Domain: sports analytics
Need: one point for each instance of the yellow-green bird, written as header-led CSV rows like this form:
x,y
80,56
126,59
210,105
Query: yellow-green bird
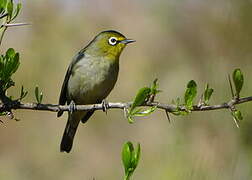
x,y
90,77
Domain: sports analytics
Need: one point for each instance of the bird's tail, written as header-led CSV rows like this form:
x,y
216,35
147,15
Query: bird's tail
x,y
69,133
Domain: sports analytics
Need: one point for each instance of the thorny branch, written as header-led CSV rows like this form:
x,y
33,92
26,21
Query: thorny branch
x,y
118,105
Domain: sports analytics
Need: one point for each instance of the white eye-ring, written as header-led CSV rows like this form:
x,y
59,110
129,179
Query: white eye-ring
x,y
112,41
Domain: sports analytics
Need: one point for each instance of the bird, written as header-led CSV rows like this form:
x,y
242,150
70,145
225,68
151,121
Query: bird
x,y
89,79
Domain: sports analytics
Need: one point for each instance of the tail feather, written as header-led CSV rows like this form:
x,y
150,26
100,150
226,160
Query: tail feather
x,y
71,128
67,140
69,133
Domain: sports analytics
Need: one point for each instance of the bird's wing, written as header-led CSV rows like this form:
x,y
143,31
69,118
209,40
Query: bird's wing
x,y
63,93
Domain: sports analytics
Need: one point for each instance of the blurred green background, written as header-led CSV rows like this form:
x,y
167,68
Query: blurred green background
x,y
176,41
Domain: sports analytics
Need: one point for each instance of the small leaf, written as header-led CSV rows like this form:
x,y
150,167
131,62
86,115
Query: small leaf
x,y
37,93
3,6
238,81
190,94
130,158
15,63
23,93
154,87
136,156
207,94
237,115
145,112
130,119
39,96
141,97
10,53
10,9
127,154
17,10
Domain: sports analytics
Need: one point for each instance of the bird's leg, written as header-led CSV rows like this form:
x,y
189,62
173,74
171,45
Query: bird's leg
x,y
105,105
72,107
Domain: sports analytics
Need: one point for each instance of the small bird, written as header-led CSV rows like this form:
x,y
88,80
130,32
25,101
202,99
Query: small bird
x,y
90,77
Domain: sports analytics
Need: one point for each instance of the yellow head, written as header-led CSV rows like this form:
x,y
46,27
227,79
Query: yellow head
x,y
108,44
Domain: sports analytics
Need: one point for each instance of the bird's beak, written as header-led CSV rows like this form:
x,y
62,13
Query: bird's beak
x,y
127,41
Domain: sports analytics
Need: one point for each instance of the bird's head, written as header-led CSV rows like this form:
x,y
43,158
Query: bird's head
x,y
108,44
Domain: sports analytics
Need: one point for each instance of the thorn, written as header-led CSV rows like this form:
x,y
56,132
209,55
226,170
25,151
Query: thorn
x,y
72,107
168,116
105,106
125,112
10,115
16,24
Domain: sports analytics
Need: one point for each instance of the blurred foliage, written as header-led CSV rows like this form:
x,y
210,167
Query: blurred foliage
x,y
176,41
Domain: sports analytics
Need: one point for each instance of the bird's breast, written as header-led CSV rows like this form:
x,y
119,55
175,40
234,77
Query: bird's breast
x,y
92,80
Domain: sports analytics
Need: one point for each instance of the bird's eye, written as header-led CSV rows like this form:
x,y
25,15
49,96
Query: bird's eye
x,y
112,41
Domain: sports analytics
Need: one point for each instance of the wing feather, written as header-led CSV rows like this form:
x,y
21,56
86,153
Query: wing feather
x,y
63,93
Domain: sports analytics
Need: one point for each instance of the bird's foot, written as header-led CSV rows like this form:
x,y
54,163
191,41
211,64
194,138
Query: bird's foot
x,y
72,107
105,105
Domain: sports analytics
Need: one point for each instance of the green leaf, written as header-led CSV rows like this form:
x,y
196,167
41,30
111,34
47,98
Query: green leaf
x,y
130,118
207,94
154,87
190,94
39,96
141,97
146,112
37,93
10,8
23,93
17,10
9,65
136,156
238,81
130,158
15,63
3,6
10,53
237,115
127,154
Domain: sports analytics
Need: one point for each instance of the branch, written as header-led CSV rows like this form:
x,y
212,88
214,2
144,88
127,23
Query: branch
x,y
118,105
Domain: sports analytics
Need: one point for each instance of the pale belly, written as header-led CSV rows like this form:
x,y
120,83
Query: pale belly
x,y
91,83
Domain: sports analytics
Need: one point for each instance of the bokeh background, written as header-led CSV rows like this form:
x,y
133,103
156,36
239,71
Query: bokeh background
x,y
176,41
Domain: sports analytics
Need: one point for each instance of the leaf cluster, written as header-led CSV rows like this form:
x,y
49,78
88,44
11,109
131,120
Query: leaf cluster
x,y
9,9
144,95
130,158
189,98
9,64
238,81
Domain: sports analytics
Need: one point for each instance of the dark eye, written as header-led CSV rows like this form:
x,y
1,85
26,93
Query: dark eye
x,y
112,41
